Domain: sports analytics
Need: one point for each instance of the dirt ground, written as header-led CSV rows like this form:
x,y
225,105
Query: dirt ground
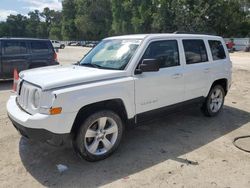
x,y
184,149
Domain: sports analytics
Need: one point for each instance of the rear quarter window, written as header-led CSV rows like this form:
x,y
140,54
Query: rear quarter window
x,y
217,49
195,51
40,47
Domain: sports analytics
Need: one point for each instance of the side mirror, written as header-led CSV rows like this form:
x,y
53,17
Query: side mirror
x,y
149,65
77,63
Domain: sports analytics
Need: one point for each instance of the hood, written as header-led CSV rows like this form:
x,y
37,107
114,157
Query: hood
x,y
61,76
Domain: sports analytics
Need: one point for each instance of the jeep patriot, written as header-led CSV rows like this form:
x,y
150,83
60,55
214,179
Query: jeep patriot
x,y
122,80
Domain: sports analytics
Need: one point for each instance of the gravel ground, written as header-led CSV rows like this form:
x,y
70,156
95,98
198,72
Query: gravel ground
x,y
184,149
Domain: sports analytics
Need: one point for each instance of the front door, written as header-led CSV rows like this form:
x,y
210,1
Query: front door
x,y
154,90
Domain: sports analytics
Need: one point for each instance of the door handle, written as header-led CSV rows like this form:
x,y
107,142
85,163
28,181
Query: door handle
x,y
177,75
206,70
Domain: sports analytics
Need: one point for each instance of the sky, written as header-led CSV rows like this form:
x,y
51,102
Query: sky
x,y
8,7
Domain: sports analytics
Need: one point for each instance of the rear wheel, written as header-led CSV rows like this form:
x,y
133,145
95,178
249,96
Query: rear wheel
x,y
214,101
99,135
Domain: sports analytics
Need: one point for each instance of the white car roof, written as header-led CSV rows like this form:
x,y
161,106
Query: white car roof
x,y
162,35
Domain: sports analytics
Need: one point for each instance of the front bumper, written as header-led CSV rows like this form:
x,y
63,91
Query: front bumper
x,y
40,127
42,135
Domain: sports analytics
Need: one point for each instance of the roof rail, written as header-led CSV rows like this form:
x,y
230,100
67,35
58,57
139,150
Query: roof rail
x,y
198,33
18,38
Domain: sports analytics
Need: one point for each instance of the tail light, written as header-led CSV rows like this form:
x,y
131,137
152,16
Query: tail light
x,y
55,57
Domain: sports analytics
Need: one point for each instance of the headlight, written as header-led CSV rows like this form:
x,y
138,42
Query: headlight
x,y
36,98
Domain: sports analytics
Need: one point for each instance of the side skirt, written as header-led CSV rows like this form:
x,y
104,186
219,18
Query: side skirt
x,y
160,112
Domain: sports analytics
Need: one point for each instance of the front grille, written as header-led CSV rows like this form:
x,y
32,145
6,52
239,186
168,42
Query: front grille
x,y
19,86
25,97
21,107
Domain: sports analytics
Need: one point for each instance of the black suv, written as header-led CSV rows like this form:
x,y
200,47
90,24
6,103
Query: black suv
x,y
23,53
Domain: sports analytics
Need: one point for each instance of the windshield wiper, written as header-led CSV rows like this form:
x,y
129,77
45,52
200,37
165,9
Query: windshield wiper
x,y
91,65
97,66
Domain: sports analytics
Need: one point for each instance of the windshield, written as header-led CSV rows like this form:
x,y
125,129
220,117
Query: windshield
x,y
111,54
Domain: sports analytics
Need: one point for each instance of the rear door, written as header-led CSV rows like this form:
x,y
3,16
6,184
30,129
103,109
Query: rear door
x,y
220,66
14,55
42,53
197,69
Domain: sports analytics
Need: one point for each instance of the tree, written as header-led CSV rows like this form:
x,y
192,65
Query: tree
x,y
215,16
164,16
32,27
142,15
69,30
56,25
96,19
15,25
4,27
122,15
93,19
53,23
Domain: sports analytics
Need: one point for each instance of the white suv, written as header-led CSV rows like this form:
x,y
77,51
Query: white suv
x,y
122,80
57,45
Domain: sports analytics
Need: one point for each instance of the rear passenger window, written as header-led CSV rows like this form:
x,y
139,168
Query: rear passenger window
x,y
195,51
14,47
23,48
217,49
165,51
39,47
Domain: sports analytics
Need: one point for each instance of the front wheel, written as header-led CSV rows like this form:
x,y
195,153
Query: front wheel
x,y
214,101
99,135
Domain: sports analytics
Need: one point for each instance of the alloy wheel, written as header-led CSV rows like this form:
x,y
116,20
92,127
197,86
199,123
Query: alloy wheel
x,y
216,100
101,136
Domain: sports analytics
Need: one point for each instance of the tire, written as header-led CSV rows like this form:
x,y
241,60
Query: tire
x,y
92,142
214,101
62,46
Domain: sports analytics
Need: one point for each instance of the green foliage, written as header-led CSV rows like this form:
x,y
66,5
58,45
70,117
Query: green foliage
x,y
68,20
96,19
46,24
93,19
227,18
16,25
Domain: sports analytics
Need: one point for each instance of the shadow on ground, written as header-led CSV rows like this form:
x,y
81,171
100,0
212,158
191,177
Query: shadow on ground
x,y
6,85
141,148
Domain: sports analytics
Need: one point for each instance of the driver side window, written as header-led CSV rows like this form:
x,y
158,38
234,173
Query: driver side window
x,y
166,52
